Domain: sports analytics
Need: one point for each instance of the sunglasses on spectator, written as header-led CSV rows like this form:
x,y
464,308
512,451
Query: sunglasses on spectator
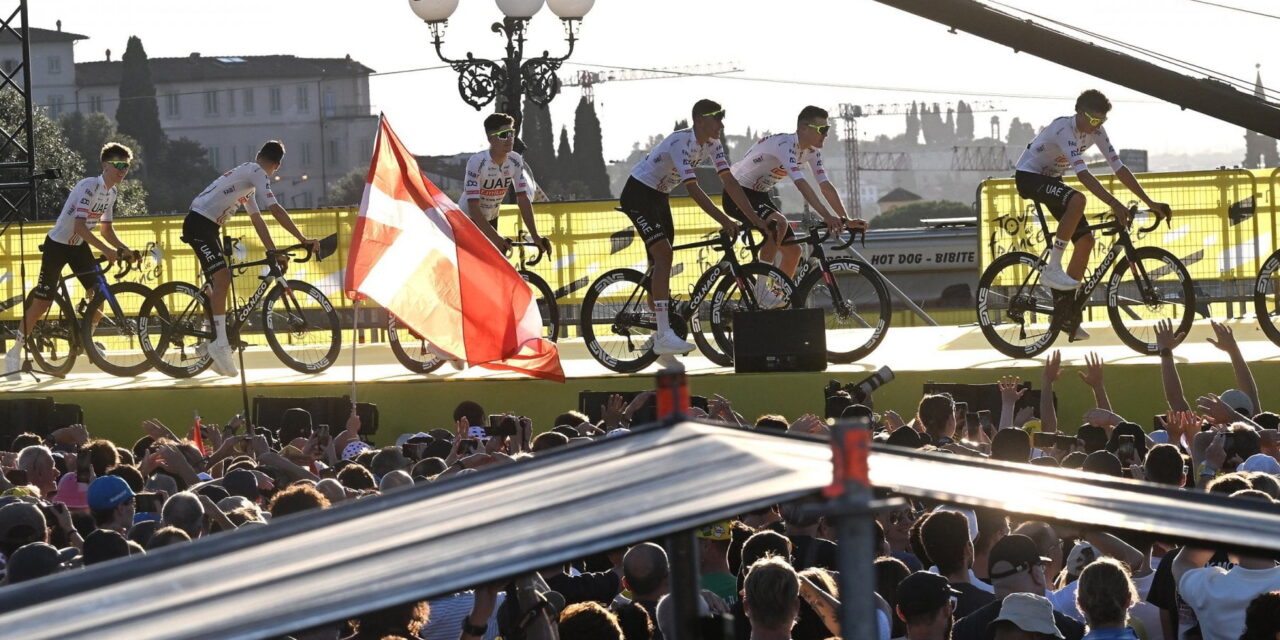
x,y
503,134
821,128
718,115
119,164
1093,122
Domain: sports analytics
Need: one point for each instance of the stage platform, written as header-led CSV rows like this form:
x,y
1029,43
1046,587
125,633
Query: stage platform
x,y
409,402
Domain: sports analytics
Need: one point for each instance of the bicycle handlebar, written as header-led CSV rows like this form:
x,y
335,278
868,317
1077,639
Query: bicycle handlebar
x,y
525,242
288,251
133,257
1158,215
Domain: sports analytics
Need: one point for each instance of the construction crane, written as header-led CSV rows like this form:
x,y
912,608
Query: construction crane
x,y
588,79
857,162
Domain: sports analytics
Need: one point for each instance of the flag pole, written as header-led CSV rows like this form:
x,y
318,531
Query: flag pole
x,y
355,332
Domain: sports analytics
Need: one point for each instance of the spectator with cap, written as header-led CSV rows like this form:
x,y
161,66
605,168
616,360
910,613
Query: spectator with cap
x,y
102,545
1015,566
1025,616
184,511
111,503
21,523
946,539
713,560
242,482
31,561
807,549
926,603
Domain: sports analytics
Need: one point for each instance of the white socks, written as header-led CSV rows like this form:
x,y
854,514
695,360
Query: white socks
x,y
1055,254
664,319
220,328
18,339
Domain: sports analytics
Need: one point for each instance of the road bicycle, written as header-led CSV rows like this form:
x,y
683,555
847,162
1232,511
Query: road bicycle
x,y
98,325
618,322
415,352
851,293
1266,297
297,320
1021,317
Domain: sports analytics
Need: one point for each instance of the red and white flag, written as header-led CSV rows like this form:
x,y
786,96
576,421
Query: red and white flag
x,y
419,256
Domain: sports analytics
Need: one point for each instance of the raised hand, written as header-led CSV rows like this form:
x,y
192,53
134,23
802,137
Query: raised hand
x,y
1092,374
1009,391
1224,338
1165,337
1053,367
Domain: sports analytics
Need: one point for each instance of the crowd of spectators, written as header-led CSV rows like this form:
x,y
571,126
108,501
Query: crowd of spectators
x,y
69,500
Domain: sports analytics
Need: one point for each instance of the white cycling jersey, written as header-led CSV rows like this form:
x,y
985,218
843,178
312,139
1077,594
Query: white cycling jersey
x,y
673,160
90,201
487,182
247,184
1060,146
773,158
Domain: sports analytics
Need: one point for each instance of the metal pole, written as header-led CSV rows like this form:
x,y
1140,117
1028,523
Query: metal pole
x,y
851,444
682,551
355,326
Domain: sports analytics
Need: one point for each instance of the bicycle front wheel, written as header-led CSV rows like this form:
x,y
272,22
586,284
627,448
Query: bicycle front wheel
x,y
178,328
1015,310
53,341
410,349
112,341
1266,297
301,327
1155,286
855,305
758,286
617,324
547,306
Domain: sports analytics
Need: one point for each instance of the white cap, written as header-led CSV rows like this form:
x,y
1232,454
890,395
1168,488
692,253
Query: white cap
x,y
1236,399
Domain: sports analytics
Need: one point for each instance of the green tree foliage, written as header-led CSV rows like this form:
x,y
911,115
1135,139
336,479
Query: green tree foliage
x,y
588,151
909,215
51,152
348,190
1020,134
86,134
138,114
964,121
186,173
538,135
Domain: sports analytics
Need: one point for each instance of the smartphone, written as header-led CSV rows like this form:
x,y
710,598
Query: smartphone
x,y
148,502
475,432
971,425
501,424
1126,451
1044,441
84,466
1157,423
467,446
984,419
962,411
1065,442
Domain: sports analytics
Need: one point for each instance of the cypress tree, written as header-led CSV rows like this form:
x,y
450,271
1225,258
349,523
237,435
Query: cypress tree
x,y
588,152
539,140
138,115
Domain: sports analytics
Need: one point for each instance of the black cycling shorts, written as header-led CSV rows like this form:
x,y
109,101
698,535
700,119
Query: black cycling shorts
x,y
1051,192
205,238
649,210
55,256
763,204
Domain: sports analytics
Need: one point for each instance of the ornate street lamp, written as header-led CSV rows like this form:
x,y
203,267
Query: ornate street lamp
x,y
481,81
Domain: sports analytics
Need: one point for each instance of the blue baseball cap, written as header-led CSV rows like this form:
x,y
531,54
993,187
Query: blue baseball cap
x,y
108,492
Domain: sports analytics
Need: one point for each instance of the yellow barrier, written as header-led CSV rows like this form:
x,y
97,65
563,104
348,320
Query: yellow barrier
x,y
1224,225
589,238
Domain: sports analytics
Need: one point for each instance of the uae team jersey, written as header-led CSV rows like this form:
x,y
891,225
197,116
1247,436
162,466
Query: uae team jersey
x,y
1060,147
773,158
672,162
246,185
90,201
487,182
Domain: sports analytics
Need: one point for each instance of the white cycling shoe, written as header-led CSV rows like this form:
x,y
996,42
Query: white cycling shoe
x,y
1079,335
667,343
224,362
1055,278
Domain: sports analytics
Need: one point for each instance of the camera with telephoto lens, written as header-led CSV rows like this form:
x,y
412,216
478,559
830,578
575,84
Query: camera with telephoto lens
x,y
861,391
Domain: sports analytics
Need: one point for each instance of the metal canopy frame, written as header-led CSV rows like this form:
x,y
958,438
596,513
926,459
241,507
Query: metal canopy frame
x,y
437,539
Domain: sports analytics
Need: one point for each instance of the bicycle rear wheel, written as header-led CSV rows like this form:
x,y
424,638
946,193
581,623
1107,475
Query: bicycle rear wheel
x,y
179,327
113,342
546,304
54,340
1266,297
769,289
617,325
410,349
1015,311
855,305
301,327
1154,287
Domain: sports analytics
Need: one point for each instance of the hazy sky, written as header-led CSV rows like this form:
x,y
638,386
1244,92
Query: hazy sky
x,y
858,44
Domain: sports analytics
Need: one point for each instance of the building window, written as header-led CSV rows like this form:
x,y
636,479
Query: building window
x,y
330,105
276,100
215,158
333,153
304,100
366,149
55,65
95,104
211,103
171,105
55,106
231,101
9,66
248,100
306,154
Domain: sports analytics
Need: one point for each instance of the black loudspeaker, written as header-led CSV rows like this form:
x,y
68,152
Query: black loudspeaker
x,y
779,340
36,415
330,410
592,404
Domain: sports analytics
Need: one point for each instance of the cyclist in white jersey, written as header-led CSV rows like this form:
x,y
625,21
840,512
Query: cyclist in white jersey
x,y
91,202
490,174
250,185
780,156
645,199
1060,147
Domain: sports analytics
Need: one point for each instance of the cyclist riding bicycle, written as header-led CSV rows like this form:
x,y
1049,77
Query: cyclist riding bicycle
x,y
646,201
490,174
1059,147
779,156
91,202
250,185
